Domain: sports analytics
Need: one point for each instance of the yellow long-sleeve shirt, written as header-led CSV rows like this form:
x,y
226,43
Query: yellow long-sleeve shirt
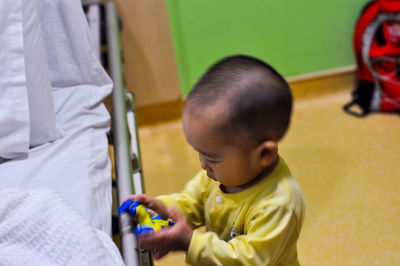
x,y
257,226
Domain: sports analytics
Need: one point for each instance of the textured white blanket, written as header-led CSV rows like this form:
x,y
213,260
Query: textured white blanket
x,y
38,227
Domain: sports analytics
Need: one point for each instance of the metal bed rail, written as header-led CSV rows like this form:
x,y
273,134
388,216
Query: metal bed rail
x,y
124,135
126,145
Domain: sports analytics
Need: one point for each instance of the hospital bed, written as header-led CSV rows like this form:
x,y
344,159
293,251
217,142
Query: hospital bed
x,y
72,161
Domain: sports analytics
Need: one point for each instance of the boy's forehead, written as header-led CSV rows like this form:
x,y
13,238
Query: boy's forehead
x,y
210,120
203,117
204,122
218,111
210,125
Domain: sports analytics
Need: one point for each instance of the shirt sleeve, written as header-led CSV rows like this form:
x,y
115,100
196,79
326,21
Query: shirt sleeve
x,y
191,200
269,239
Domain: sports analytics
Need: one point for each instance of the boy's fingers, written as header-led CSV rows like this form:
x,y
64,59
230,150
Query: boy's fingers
x,y
146,200
157,206
158,254
139,197
152,241
174,214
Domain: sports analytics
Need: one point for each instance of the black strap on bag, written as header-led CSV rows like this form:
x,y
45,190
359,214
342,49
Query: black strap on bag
x,y
361,97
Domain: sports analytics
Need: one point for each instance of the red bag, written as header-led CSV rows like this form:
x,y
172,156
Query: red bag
x,y
377,50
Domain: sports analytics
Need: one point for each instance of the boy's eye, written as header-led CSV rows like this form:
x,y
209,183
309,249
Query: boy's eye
x,y
212,161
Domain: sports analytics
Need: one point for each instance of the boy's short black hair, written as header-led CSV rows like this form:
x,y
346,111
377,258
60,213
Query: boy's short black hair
x,y
259,98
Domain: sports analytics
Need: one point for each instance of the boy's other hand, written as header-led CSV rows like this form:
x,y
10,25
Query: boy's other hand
x,y
174,238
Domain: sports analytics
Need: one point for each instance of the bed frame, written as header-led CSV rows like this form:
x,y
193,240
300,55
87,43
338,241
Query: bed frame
x,y
105,26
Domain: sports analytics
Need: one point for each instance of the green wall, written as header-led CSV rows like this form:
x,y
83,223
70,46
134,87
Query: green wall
x,y
294,36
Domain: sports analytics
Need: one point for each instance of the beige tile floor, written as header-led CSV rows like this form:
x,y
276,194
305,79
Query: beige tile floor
x,y
348,168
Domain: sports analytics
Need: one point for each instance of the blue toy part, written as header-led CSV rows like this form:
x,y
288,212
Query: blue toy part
x,y
125,206
129,206
157,217
143,230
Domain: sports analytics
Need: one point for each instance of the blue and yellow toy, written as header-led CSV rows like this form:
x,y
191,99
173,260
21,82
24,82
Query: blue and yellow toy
x,y
146,224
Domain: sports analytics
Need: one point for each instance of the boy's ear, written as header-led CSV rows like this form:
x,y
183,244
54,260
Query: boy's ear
x,y
268,151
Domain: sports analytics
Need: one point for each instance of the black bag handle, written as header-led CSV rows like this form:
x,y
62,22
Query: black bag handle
x,y
361,96
360,113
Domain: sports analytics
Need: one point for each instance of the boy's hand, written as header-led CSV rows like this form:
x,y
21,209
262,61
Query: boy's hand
x,y
153,204
173,238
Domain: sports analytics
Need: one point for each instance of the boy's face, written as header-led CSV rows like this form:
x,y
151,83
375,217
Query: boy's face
x,y
233,164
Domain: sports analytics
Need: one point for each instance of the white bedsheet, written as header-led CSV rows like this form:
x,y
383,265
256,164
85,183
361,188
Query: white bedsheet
x,y
76,166
38,227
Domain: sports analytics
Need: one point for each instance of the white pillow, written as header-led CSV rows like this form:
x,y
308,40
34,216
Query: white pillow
x,y
14,110
43,127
